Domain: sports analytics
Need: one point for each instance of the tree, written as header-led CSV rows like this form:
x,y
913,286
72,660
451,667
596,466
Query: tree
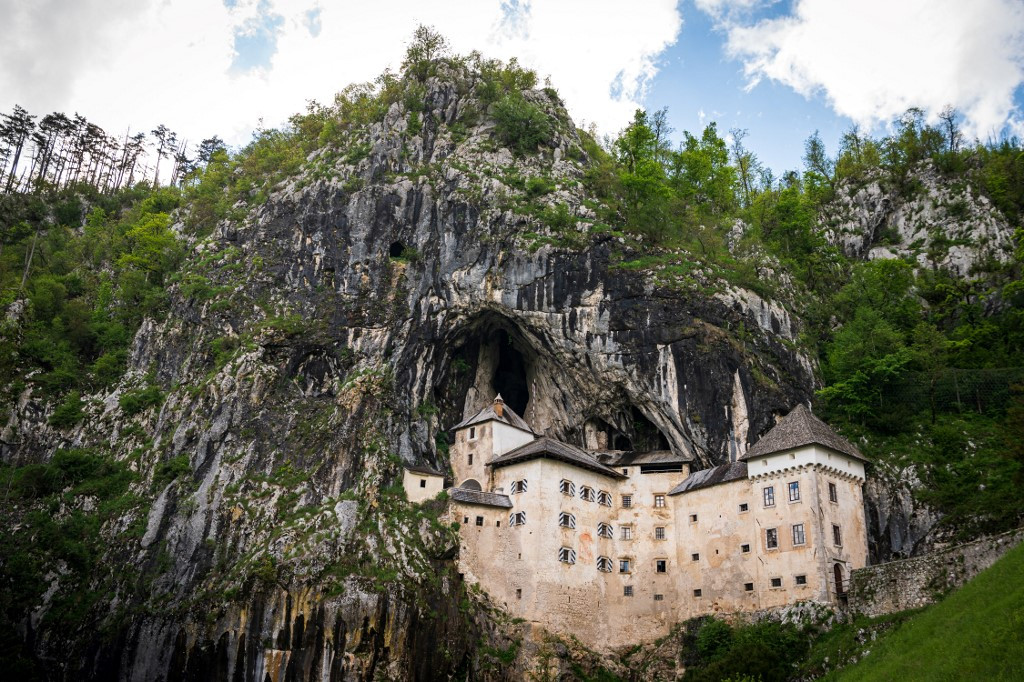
x,y
427,45
165,141
950,121
701,175
14,132
819,175
748,168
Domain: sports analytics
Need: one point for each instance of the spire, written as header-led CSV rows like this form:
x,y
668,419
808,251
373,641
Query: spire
x,y
499,405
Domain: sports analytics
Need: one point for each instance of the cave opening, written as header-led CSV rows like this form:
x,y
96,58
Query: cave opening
x,y
396,249
510,375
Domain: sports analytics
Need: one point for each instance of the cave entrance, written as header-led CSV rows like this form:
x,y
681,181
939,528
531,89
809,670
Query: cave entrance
x,y
396,250
510,375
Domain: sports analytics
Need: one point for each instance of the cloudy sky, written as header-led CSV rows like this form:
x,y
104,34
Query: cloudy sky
x,y
779,69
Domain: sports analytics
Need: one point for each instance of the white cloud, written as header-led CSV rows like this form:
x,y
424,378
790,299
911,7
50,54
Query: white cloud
x,y
873,59
144,62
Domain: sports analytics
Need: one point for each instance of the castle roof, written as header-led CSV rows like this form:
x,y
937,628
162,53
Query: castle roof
x,y
479,497
423,469
550,448
797,429
623,458
496,411
709,477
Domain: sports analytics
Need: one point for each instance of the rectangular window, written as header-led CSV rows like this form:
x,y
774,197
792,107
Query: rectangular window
x,y
519,486
837,537
659,533
659,501
469,458
776,582
769,496
661,566
695,556
745,549
659,597
497,524
627,590
833,493
604,530
567,555
697,592
801,580
794,491
567,487
587,493
472,432
623,565
627,501
465,520
519,593
693,518
748,587
517,519
604,498
479,520
771,538
744,507
798,534
604,564
423,483
566,520
627,533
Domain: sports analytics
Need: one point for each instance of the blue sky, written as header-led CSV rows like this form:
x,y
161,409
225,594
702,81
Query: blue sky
x,y
780,69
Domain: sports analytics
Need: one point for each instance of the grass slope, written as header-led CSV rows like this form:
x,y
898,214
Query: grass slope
x,y
977,633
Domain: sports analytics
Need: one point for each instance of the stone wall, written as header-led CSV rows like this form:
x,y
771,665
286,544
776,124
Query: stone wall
x,y
919,581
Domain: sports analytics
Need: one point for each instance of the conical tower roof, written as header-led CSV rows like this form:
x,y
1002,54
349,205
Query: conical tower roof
x,y
797,429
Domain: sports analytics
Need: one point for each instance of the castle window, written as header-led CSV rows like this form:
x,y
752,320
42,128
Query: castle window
x,y
519,593
833,493
423,483
659,597
661,566
627,590
472,433
769,496
837,536
470,458
604,530
566,520
771,538
604,564
695,556
479,520
627,532
748,587
623,565
697,592
627,501
497,524
798,534
587,493
659,533
801,580
794,491
604,498
567,487
465,520
567,555
519,486
745,549
659,501
517,519
776,582
693,518
744,507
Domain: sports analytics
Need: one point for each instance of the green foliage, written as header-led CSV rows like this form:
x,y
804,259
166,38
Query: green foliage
x,y
135,401
69,412
766,651
521,125
172,469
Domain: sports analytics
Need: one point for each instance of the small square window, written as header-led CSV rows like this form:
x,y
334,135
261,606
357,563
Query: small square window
x,y
697,592
627,532
627,501
748,587
623,565
465,520
776,582
661,565
627,590
693,518
744,507
479,520
745,549
833,493
801,580
659,533
659,597
423,483
625,472
695,556
659,501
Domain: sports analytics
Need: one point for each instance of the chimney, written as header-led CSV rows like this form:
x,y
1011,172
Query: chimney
x,y
499,406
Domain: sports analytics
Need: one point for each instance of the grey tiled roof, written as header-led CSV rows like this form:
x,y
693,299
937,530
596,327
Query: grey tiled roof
x,y
553,449
508,416
423,469
479,497
617,458
799,428
709,477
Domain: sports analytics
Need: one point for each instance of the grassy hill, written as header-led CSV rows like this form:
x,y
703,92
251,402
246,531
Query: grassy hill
x,y
977,633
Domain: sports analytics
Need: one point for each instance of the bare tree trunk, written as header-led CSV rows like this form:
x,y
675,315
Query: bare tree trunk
x,y
28,261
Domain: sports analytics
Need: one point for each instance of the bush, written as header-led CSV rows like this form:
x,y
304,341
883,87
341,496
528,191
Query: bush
x,y
133,402
69,412
521,126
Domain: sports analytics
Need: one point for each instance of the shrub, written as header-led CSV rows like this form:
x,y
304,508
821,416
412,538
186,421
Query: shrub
x,y
69,412
521,126
133,402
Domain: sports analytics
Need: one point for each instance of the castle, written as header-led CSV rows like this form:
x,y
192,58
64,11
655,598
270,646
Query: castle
x,y
615,547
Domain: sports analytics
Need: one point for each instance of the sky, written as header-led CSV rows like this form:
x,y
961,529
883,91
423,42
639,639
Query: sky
x,y
777,69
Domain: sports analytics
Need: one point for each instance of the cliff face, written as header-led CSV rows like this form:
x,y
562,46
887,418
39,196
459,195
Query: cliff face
x,y
340,327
